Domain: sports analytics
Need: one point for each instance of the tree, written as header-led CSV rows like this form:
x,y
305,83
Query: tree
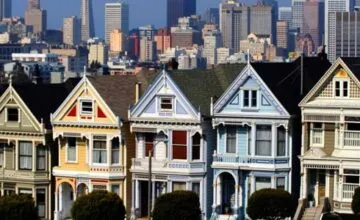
x,y
270,204
98,205
355,204
173,64
17,207
18,75
178,205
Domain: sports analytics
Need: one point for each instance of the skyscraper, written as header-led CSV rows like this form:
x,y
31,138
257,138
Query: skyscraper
x,y
313,21
234,23
332,6
71,30
36,17
261,20
282,34
211,16
5,9
274,16
179,8
116,17
297,14
285,14
87,20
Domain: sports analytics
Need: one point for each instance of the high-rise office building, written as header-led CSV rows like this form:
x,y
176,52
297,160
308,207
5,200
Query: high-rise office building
x,y
71,30
5,9
147,50
313,21
234,23
98,52
116,17
347,34
212,41
331,7
87,20
179,8
117,41
36,17
282,29
297,7
285,14
211,16
274,16
261,20
163,40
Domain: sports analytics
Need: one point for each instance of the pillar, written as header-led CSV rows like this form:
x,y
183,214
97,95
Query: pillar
x,y
108,152
327,183
305,183
56,211
336,185
153,194
33,156
214,195
274,140
134,198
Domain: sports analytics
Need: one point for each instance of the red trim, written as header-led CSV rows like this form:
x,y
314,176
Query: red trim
x,y
72,112
100,113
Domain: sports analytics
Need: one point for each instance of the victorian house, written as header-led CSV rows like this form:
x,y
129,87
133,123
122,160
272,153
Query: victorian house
x,y
94,142
258,131
26,146
330,151
172,125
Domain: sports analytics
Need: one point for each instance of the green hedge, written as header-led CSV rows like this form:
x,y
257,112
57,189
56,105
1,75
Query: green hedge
x,y
17,207
355,204
178,205
98,205
271,204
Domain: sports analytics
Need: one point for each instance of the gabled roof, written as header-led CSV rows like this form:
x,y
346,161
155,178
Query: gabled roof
x,y
354,65
284,79
200,85
43,99
119,91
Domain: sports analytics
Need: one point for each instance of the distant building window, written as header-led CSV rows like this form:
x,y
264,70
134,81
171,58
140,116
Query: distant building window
x,y
71,149
341,88
12,114
250,98
86,107
196,188
166,104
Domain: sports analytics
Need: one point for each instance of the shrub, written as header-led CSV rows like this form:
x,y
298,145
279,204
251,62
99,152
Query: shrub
x,y
355,203
178,205
98,205
17,207
270,204
330,216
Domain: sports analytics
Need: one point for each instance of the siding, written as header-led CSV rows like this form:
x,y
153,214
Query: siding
x,y
81,164
10,155
306,136
329,138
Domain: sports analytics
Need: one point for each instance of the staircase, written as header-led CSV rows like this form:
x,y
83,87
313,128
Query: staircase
x,y
313,213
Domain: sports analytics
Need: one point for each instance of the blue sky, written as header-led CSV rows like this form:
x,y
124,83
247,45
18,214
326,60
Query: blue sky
x,y
142,12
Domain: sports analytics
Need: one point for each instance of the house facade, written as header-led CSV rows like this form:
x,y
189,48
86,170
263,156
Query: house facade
x,y
94,142
331,138
26,144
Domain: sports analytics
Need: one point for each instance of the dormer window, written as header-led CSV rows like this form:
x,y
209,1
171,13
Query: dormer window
x,y
249,98
166,104
86,107
341,88
13,114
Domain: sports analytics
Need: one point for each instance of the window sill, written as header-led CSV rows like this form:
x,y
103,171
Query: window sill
x,y
71,162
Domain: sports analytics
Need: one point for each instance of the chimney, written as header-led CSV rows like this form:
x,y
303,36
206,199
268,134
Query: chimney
x,y
137,91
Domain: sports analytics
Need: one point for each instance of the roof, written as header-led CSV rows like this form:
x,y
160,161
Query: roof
x,y
284,79
354,65
119,91
200,85
44,99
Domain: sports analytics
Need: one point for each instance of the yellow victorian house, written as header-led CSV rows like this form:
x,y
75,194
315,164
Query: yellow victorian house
x,y
94,141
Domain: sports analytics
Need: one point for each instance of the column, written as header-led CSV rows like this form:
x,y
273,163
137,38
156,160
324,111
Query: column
x,y
108,152
134,198
252,185
340,187
89,143
189,146
236,197
305,183
335,185
16,155
215,195
56,211
153,194
327,183
287,146
274,139
33,156
122,152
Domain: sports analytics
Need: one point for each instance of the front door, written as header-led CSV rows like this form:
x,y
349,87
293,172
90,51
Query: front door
x,y
321,186
144,198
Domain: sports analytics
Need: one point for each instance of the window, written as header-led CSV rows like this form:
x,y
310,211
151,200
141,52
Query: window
x,y
99,149
40,202
196,188
179,186
280,141
2,150
23,191
317,133
262,183
166,104
115,151
250,98
86,107
25,154
249,140
149,143
263,140
115,189
351,176
12,114
341,88
280,183
179,145
71,149
99,187
40,157
231,139
196,146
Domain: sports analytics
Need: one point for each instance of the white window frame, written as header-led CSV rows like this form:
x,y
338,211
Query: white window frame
x,y
106,149
7,112
172,104
312,144
285,181
250,98
226,140
341,82
45,203
81,112
76,151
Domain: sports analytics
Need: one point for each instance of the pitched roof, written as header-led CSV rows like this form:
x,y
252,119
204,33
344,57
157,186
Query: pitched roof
x,y
44,99
119,91
200,85
354,65
284,79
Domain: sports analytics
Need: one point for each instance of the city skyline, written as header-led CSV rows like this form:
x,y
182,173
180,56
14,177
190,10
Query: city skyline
x,y
158,18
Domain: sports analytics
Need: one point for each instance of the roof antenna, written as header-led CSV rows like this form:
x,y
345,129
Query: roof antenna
x,y
248,56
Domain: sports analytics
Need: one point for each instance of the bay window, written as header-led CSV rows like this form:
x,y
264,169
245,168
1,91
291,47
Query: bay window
x,y
25,155
317,134
179,145
99,149
231,139
263,140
